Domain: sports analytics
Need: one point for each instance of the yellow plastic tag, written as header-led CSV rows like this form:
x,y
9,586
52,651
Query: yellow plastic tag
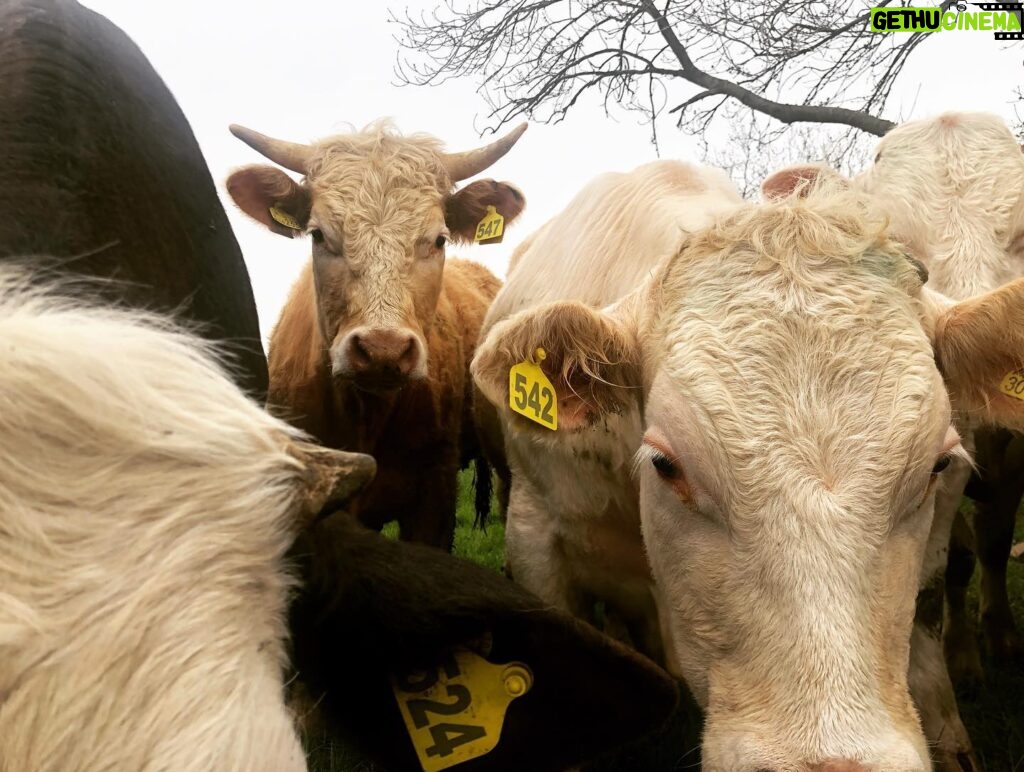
x,y
1013,384
531,394
455,712
285,219
491,228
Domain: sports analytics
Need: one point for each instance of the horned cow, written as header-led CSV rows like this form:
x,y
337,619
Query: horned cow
x,y
372,349
149,510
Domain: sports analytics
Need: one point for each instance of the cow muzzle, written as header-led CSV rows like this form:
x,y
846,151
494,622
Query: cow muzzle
x,y
379,359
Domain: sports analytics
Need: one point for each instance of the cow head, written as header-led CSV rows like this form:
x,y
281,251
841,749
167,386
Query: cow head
x,y
379,209
795,382
953,188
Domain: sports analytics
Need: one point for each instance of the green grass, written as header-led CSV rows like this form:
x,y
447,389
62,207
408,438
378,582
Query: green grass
x,y
994,714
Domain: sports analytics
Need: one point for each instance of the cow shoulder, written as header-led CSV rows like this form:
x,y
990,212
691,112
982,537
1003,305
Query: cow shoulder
x,y
300,383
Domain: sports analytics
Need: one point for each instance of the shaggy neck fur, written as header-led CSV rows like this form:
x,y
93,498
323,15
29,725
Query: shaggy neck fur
x,y
146,510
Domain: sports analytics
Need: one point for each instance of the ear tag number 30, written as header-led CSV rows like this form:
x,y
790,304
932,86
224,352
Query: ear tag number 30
x,y
455,712
531,394
491,228
1013,384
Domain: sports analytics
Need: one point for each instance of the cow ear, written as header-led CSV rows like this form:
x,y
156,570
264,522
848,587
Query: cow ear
x,y
464,209
271,197
979,347
591,358
796,179
330,478
371,608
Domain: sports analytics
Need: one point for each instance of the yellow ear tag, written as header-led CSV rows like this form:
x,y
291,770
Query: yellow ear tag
x,y
285,219
531,394
455,712
491,228
1013,384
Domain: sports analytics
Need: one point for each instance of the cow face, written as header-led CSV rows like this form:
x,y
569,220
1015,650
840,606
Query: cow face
x,y
379,209
786,364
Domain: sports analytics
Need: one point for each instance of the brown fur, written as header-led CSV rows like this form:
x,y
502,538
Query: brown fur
x,y
415,434
977,342
467,207
591,364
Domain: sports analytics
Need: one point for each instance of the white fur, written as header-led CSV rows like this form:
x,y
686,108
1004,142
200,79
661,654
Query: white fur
x,y
145,508
786,363
954,187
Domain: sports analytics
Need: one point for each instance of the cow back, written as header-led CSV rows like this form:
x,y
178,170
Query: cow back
x,y
102,174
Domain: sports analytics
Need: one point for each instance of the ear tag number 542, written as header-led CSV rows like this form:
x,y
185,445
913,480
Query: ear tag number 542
x,y
531,394
455,712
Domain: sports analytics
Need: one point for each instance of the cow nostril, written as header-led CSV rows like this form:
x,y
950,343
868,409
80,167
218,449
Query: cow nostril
x,y
966,762
409,357
358,356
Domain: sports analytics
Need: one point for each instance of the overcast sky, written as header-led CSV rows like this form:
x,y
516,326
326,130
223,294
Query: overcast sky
x,y
302,69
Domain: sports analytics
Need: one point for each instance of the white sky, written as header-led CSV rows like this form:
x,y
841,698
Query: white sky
x,y
304,69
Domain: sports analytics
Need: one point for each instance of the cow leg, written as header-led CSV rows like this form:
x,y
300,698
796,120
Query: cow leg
x,y
928,678
645,630
934,696
1001,457
959,642
534,557
431,519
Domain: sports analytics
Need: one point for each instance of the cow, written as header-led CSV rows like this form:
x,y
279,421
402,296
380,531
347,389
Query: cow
x,y
148,509
156,522
757,396
972,235
967,167
118,193
372,349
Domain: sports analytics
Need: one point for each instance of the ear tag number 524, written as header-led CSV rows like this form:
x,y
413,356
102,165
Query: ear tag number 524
x,y
531,394
455,712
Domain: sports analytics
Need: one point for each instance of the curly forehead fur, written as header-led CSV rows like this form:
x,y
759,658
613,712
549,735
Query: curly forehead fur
x,y
811,300
826,224
377,181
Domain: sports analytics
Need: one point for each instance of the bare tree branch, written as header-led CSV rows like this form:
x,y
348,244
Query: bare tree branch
x,y
771,66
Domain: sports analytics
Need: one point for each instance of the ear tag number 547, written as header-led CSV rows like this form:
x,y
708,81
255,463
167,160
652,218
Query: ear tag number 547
x,y
491,228
531,394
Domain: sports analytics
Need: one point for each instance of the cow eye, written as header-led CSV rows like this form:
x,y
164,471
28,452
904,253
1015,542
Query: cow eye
x,y
439,242
941,464
663,465
317,235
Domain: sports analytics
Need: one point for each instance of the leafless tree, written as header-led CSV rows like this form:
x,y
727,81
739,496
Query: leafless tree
x,y
764,66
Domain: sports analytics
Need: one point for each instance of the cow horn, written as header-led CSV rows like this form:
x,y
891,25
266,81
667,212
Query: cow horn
x,y
331,478
290,155
461,166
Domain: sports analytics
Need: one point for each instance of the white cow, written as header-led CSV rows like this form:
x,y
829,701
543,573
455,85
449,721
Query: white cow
x,y
953,186
774,374
145,509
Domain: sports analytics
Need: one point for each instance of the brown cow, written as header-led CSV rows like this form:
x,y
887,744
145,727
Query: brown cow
x,y
372,349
